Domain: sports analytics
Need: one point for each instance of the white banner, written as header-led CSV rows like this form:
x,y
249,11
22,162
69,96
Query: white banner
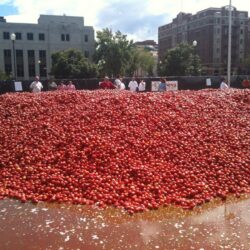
x,y
155,85
208,82
18,86
172,85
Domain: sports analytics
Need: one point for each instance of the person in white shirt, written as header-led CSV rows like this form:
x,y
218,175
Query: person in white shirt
x,y
117,82
223,84
36,86
122,86
142,86
133,85
52,85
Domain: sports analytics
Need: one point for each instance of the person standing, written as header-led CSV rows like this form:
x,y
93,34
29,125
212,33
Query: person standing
x,y
118,82
142,86
122,86
61,86
106,84
163,85
52,85
223,84
36,86
133,85
71,86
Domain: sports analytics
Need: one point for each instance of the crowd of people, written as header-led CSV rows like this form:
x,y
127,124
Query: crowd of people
x,y
36,86
119,84
64,86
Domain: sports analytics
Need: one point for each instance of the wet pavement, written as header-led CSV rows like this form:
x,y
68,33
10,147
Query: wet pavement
x,y
215,225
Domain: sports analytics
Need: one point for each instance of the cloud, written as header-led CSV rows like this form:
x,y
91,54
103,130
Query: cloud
x,y
29,10
139,19
132,18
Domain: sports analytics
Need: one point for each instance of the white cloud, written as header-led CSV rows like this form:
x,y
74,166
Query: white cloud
x,y
139,19
29,10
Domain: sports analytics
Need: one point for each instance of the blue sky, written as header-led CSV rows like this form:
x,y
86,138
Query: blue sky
x,y
8,9
138,19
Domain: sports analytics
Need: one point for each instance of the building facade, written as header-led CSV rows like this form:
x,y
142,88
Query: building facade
x,y
35,43
209,28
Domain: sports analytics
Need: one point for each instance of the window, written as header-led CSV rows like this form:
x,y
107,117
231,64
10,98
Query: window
x,y
7,61
41,36
29,36
19,63
42,64
6,35
19,53
241,31
8,69
42,54
18,36
31,53
31,63
86,38
7,53
86,54
65,37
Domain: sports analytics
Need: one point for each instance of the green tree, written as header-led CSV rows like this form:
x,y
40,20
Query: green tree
x,y
246,64
181,60
141,59
71,64
134,62
146,61
113,52
3,75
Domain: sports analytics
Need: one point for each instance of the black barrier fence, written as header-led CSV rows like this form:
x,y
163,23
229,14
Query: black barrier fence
x,y
184,83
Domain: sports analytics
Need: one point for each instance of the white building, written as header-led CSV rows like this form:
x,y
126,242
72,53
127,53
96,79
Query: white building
x,y
34,44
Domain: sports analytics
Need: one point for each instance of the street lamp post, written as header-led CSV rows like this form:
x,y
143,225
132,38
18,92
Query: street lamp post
x,y
229,43
13,39
39,65
195,54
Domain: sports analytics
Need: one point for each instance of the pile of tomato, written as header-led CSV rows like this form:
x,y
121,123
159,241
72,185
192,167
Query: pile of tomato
x,y
134,151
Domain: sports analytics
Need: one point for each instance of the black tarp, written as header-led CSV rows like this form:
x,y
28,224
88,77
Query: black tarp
x,y
184,83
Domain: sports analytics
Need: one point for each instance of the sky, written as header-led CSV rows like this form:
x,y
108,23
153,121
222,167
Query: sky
x,y
138,19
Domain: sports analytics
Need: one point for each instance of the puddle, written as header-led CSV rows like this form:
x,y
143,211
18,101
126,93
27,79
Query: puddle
x,y
215,225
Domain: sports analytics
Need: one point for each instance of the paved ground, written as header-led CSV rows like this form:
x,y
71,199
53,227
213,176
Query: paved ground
x,y
217,225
